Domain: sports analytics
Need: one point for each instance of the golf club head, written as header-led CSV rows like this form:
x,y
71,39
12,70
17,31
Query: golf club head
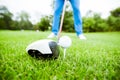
x,y
43,49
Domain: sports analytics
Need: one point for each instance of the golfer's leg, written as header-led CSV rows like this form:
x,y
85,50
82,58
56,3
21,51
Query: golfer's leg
x,y
56,19
77,16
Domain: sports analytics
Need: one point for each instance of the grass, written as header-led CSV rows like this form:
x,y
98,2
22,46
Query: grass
x,y
97,58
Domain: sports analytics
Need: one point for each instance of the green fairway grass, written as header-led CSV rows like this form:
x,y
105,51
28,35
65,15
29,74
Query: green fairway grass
x,y
97,58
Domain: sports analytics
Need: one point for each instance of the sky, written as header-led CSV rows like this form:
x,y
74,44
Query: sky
x,y
37,8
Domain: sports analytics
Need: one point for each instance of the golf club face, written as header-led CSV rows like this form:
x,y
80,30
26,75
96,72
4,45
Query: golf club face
x,y
55,49
43,49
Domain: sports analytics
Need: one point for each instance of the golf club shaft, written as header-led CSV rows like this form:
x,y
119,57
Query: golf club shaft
x,y
62,18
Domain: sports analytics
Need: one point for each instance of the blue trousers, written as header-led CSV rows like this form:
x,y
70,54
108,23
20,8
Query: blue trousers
x,y
76,13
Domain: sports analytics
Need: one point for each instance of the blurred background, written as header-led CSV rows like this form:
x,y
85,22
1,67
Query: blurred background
x,y
97,15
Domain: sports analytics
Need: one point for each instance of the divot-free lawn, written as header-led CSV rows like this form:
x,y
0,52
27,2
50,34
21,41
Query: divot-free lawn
x,y
97,58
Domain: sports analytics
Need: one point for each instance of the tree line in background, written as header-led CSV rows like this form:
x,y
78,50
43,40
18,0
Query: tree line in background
x,y
92,22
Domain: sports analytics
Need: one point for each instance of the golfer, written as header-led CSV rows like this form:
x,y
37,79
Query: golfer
x,y
77,18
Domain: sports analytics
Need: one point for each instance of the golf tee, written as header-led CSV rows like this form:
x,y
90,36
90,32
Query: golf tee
x,y
64,52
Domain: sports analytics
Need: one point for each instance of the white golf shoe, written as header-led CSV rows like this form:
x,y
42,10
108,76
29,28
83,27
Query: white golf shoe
x,y
52,35
82,37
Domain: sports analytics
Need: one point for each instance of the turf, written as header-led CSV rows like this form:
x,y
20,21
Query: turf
x,y
97,58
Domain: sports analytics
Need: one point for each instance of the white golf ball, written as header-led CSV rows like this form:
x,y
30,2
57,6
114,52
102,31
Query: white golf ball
x,y
65,41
